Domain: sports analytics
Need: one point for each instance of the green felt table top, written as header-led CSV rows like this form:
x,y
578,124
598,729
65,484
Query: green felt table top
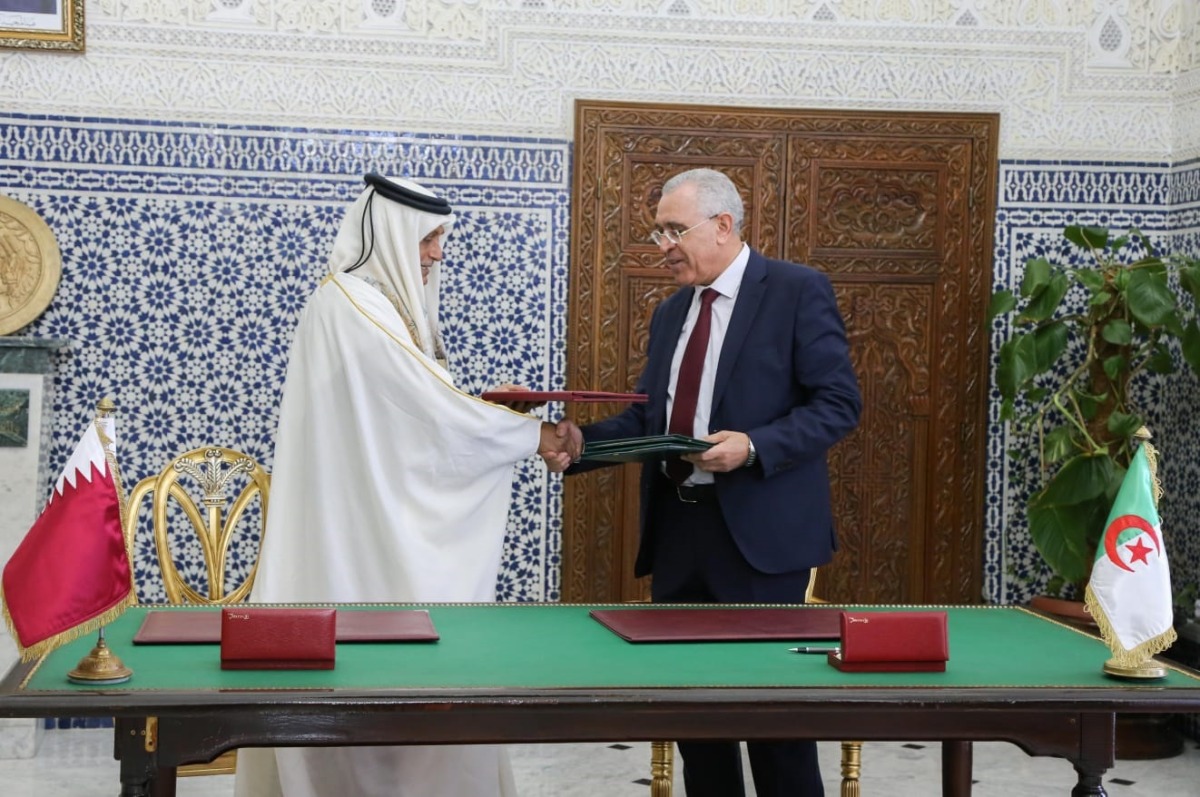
x,y
515,646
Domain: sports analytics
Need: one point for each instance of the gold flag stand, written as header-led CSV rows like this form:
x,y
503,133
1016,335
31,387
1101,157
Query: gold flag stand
x,y
100,666
1143,670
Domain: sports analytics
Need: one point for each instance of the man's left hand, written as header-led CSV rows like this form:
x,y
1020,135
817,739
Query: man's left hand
x,y
729,452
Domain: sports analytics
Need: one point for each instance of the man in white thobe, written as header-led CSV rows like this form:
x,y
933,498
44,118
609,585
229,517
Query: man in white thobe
x,y
389,484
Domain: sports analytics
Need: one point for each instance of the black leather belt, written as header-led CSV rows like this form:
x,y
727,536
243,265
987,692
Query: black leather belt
x,y
696,493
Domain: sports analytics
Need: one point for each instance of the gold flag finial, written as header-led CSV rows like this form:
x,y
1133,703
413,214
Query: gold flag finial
x,y
105,407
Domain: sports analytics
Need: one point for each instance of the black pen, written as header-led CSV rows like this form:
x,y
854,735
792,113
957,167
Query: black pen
x,y
811,650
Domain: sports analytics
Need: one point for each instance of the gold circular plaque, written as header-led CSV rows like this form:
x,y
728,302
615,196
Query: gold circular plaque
x,y
30,265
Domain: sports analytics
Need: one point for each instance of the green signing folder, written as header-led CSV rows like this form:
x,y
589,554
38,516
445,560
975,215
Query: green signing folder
x,y
640,449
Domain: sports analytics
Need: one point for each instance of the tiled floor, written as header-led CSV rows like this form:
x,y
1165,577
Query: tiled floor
x,y
78,763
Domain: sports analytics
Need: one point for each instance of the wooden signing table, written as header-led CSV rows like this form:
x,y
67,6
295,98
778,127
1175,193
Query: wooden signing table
x,y
550,673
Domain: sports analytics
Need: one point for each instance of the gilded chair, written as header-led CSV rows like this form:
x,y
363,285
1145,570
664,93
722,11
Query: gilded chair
x,y
196,487
662,754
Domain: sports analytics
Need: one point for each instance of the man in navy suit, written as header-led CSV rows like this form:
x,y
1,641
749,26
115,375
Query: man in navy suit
x,y
744,521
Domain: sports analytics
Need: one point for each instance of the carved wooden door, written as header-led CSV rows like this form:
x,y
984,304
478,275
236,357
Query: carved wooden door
x,y
898,209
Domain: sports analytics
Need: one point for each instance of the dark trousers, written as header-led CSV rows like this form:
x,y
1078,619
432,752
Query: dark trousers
x,y
697,561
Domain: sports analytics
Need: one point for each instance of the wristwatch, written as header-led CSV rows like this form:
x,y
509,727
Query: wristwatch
x,y
753,457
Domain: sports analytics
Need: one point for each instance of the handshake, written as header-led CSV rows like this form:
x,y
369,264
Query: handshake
x,y
561,445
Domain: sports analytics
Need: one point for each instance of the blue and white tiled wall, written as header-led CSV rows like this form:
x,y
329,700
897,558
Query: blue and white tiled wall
x,y
1036,200
189,251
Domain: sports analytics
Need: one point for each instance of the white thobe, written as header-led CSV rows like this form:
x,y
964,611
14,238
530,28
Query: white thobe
x,y
389,485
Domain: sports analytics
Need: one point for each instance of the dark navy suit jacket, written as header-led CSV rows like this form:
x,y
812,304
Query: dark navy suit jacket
x,y
785,378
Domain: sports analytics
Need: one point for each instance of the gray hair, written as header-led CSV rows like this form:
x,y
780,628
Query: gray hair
x,y
715,193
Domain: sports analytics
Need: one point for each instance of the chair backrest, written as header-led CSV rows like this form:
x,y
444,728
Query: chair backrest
x,y
208,473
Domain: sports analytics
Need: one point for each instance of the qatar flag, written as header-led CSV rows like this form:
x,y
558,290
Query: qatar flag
x,y
71,574
1129,594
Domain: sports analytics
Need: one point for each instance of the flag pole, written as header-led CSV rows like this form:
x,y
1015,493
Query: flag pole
x,y
101,665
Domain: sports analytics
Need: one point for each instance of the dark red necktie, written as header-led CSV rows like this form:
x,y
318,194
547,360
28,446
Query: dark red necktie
x,y
687,385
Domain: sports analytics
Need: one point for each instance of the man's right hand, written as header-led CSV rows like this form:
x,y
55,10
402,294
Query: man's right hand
x,y
560,445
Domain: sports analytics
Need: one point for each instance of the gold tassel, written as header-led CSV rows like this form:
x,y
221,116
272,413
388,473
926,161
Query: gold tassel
x,y
1121,656
71,634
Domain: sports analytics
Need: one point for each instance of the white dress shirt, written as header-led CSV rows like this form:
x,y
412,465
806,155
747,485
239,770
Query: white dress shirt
x,y
726,286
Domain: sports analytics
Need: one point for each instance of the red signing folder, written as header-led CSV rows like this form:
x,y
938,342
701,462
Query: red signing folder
x,y
582,396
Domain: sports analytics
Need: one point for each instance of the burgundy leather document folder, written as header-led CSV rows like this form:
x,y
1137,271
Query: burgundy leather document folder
x,y
170,627
584,396
720,624
278,639
892,642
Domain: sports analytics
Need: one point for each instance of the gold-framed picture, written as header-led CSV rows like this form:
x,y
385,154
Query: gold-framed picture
x,y
42,24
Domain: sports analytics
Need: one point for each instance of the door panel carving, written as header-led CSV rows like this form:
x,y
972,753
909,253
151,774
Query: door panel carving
x,y
897,209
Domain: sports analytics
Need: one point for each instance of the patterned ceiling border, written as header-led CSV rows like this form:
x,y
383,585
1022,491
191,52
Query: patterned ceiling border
x,y
491,66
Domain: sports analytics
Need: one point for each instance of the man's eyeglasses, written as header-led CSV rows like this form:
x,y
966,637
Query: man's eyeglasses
x,y
673,237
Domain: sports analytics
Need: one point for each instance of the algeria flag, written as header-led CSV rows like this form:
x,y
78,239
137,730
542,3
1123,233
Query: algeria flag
x,y
1129,594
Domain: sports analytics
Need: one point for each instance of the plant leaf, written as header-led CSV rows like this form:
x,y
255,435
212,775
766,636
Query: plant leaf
x,y
1045,301
1002,302
1189,278
1117,331
1037,274
1150,298
1018,364
1049,342
1088,402
1191,345
1066,518
1060,534
1079,479
1087,237
1113,366
1161,361
1090,278
1059,444
1124,425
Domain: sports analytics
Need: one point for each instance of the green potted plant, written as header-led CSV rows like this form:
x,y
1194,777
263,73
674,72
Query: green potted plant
x,y
1085,336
